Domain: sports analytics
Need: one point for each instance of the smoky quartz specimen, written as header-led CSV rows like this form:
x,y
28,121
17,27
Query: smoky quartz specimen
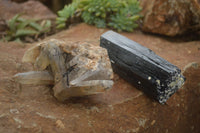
x,y
74,69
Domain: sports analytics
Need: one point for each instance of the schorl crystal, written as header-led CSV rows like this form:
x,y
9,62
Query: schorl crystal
x,y
142,67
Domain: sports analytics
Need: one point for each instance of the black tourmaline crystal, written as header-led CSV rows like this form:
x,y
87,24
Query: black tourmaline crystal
x,y
142,67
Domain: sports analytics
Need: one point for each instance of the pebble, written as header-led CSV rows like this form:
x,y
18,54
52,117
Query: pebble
x,y
60,124
95,109
153,122
14,111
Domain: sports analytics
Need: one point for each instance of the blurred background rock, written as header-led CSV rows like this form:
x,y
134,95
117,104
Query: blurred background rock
x,y
54,5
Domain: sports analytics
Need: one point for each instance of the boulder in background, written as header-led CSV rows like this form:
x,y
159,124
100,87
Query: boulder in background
x,y
170,17
30,10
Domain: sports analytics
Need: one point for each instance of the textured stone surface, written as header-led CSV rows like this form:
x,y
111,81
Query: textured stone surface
x,y
170,17
123,109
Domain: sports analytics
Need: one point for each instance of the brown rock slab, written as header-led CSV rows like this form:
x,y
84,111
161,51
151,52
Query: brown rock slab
x,y
168,17
122,109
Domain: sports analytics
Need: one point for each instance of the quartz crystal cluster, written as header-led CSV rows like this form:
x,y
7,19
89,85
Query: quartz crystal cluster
x,y
75,69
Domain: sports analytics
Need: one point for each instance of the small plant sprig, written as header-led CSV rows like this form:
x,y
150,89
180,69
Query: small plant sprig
x,y
66,13
18,28
120,15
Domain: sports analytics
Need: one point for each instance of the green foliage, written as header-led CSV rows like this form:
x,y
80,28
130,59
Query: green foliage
x,y
120,15
20,27
67,12
97,11
126,16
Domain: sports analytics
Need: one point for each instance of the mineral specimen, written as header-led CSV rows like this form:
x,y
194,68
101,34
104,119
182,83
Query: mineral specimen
x,y
141,66
74,69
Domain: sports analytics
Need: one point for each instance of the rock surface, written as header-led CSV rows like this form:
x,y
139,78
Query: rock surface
x,y
170,17
54,5
29,9
124,109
